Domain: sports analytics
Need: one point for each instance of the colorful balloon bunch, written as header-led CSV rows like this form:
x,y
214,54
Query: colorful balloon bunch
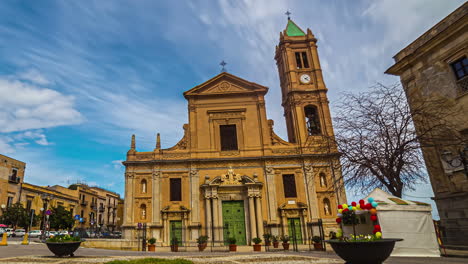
x,y
359,209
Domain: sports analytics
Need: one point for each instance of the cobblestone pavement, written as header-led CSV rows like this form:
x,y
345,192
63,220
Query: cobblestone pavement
x,y
38,253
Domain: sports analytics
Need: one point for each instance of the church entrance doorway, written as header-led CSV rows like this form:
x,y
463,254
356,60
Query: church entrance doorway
x,y
234,221
294,229
176,232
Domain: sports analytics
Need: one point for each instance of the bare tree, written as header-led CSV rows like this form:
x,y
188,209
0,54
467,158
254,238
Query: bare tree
x,y
378,140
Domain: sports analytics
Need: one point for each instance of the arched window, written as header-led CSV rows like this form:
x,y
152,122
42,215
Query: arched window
x,y
323,180
143,211
143,186
326,206
312,120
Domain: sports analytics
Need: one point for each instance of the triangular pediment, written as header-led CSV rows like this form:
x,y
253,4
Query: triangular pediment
x,y
223,84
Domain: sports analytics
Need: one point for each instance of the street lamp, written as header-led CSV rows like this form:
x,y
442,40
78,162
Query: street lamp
x,y
457,160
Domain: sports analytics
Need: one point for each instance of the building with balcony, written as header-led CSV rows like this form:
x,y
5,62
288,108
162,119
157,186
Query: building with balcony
x,y
11,179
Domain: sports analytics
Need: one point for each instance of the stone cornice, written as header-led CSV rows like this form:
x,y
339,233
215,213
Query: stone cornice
x,y
334,154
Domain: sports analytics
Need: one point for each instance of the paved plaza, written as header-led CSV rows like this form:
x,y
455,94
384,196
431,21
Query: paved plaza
x,y
38,253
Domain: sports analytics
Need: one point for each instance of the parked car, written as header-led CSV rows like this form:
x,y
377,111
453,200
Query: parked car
x,y
35,233
2,230
51,233
19,233
117,234
9,231
63,232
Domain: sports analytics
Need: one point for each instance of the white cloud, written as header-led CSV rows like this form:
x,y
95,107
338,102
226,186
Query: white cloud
x,y
5,146
35,135
24,107
117,164
34,76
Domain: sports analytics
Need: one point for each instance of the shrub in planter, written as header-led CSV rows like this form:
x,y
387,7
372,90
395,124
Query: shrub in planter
x,y
174,244
232,243
267,238
285,240
202,241
151,244
275,241
317,243
257,246
63,245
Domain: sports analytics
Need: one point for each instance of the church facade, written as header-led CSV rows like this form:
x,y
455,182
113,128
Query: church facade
x,y
231,175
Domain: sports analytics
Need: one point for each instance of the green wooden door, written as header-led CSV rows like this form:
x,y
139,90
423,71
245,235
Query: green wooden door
x,y
234,221
176,231
294,229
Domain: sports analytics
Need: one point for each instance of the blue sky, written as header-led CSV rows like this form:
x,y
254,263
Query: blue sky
x,y
77,78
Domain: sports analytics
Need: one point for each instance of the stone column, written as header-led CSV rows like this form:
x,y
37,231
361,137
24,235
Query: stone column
x,y
156,198
166,230
305,232
253,229
272,204
194,196
259,217
310,192
128,202
215,205
208,217
284,223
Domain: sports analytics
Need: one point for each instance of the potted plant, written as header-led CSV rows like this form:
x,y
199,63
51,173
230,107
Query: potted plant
x,y
202,241
267,238
151,244
361,248
257,246
63,245
232,244
317,243
285,240
174,244
275,241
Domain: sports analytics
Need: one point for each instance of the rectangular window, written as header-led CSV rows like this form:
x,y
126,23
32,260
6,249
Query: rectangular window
x,y
301,60
460,68
14,173
304,60
228,135
176,189
28,205
10,201
298,60
289,185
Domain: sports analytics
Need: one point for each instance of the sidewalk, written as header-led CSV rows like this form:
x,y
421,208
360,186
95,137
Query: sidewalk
x,y
38,253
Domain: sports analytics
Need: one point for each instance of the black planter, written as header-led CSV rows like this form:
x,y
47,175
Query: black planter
x,y
374,252
63,249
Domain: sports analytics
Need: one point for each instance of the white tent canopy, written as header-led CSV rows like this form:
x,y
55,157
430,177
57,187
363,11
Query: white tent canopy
x,y
409,220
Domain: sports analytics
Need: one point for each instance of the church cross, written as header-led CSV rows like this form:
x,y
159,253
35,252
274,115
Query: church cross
x,y
223,63
288,13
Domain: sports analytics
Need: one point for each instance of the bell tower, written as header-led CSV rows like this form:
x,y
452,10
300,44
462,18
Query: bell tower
x,y
304,94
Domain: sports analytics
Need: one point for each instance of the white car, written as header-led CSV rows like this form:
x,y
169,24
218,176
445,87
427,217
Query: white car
x,y
19,233
63,232
9,231
51,233
35,233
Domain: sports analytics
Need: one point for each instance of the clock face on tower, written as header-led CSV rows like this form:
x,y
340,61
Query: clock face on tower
x,y
305,78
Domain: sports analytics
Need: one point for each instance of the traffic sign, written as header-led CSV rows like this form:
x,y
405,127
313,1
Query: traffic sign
x,y
77,217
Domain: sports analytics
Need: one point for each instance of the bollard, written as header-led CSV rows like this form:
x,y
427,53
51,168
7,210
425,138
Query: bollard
x,y
25,240
4,240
